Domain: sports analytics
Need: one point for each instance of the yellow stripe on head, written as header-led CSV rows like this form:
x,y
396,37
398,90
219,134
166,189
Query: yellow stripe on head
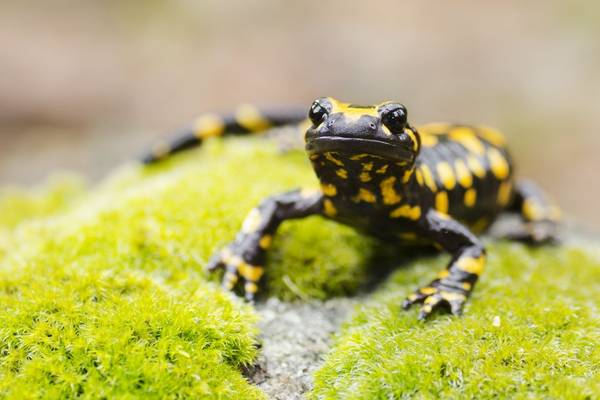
x,y
350,110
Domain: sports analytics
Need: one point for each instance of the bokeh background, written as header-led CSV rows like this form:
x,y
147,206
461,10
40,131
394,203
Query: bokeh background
x,y
86,85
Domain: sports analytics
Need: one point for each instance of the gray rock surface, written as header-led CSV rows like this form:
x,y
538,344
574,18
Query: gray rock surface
x,y
295,337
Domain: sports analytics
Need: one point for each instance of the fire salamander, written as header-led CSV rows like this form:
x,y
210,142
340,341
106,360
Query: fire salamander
x,y
440,184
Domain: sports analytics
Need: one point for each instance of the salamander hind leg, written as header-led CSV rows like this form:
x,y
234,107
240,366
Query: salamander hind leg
x,y
245,256
540,216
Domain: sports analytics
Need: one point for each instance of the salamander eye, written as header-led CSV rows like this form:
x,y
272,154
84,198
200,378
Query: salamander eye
x,y
395,117
318,111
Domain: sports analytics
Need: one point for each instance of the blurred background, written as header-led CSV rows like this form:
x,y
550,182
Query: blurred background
x,y
87,85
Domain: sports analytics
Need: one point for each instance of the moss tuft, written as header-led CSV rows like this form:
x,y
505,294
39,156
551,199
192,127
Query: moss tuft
x,y
103,294
531,330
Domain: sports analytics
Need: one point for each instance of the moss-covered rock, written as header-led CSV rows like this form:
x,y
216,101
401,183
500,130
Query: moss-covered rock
x,y
103,294
531,330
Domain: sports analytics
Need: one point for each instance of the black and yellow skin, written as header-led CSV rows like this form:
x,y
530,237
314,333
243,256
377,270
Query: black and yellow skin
x,y
439,184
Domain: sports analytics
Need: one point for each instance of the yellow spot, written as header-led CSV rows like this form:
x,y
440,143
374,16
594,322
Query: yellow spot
x,y
382,170
467,286
364,195
441,202
230,280
419,176
313,156
328,208
252,221
446,175
407,211
412,137
208,125
504,192
492,136
249,117
532,210
475,166
470,197
386,130
407,174
498,164
428,290
432,300
452,296
364,177
388,192
250,287
161,149
427,307
367,166
471,265
463,174
328,189
250,272
468,139
351,112
443,273
434,128
342,173
428,140
359,156
334,160
265,241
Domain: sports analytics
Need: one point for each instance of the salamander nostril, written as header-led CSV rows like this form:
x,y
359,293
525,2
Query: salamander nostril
x,y
373,126
330,123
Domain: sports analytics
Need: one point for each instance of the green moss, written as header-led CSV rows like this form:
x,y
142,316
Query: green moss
x,y
546,345
107,297
17,205
102,294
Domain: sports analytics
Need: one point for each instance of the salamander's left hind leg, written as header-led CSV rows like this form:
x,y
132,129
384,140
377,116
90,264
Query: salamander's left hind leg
x,y
539,214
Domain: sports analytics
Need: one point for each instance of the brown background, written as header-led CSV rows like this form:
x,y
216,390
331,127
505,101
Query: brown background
x,y
86,85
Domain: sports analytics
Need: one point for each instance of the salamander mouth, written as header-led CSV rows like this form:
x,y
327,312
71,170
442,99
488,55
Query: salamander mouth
x,y
356,145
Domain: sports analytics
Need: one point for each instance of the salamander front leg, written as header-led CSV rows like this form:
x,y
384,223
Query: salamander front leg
x,y
453,285
245,256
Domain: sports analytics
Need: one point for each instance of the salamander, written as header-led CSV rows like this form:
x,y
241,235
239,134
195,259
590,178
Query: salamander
x,y
439,184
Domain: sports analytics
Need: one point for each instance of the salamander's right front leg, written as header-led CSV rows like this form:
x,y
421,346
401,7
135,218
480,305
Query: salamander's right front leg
x,y
245,256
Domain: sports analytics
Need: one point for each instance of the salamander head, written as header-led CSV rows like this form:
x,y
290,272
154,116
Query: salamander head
x,y
381,130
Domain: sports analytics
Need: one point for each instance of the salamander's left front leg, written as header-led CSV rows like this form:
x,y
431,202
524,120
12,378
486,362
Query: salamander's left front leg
x,y
454,284
245,256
